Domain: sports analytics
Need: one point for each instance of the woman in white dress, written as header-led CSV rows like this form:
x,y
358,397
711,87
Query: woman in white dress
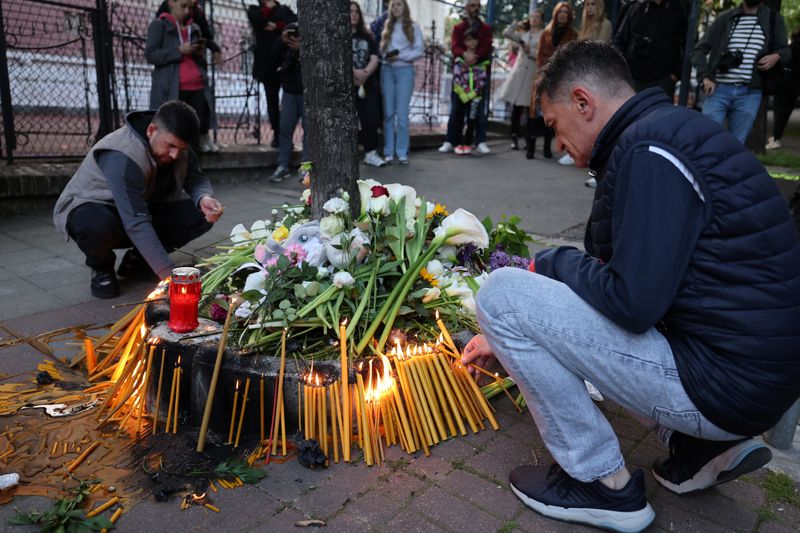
x,y
519,84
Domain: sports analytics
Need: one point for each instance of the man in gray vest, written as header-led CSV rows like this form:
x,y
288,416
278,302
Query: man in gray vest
x,y
130,192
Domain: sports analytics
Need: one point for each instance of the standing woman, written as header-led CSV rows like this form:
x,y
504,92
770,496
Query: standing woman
x,y
365,79
594,24
557,33
401,45
176,49
519,85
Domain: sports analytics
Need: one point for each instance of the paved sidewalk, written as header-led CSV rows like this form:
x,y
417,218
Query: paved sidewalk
x,y
463,485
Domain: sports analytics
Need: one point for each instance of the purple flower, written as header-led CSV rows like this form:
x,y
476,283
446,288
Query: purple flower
x,y
465,253
216,312
499,259
520,262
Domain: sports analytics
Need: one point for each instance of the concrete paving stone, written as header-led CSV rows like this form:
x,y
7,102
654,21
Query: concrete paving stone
x,y
102,311
743,493
36,230
526,433
277,521
6,275
492,497
41,272
411,521
337,488
19,359
708,505
453,513
73,293
432,467
500,458
10,244
289,480
771,526
642,456
480,438
386,498
348,523
50,320
25,222
27,300
25,504
23,256
454,449
672,518
785,512
530,521
630,428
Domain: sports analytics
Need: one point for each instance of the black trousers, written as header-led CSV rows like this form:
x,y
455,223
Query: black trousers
x,y
198,101
468,113
369,117
516,119
97,229
784,105
272,86
535,128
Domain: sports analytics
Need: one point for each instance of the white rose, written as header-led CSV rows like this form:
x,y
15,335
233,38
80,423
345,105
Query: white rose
x,y
431,294
343,279
331,225
335,205
274,212
346,196
411,227
322,272
379,205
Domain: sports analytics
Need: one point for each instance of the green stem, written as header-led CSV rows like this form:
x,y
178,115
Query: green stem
x,y
364,299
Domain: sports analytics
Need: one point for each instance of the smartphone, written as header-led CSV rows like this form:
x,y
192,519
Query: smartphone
x,y
392,53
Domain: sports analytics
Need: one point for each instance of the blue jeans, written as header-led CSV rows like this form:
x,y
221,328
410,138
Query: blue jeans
x,y
397,84
737,103
549,341
291,114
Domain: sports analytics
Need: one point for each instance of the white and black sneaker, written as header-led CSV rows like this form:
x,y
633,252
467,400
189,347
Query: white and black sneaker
x,y
104,284
696,464
550,491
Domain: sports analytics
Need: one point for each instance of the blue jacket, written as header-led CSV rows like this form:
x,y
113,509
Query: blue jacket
x,y
689,234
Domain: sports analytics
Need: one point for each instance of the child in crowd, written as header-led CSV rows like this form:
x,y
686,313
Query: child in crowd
x,y
468,82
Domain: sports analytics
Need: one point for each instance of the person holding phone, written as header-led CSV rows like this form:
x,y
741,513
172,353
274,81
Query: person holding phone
x,y
175,47
401,46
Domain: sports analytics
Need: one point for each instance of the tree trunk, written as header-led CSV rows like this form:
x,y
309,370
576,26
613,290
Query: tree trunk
x,y
330,121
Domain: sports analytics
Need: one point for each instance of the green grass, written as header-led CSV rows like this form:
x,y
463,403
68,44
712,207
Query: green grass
x,y
507,527
780,158
780,488
397,464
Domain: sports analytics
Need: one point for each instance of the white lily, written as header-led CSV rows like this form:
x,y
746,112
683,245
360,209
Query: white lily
x,y
365,192
462,227
398,191
343,279
240,235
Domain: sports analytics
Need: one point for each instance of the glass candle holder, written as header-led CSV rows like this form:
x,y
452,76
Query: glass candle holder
x,y
184,298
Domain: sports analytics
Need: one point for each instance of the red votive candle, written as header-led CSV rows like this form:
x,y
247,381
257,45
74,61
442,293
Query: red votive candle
x,y
184,297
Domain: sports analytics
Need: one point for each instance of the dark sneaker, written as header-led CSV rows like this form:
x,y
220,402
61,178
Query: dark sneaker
x,y
695,464
280,174
550,491
133,266
104,284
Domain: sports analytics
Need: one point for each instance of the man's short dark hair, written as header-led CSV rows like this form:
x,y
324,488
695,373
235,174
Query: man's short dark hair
x,y
179,119
471,34
595,64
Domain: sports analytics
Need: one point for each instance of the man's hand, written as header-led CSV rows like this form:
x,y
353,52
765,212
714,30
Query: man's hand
x,y
708,86
360,76
270,26
477,352
768,61
186,48
211,208
217,58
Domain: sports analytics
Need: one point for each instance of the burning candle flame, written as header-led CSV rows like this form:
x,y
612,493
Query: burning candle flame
x,y
237,384
344,322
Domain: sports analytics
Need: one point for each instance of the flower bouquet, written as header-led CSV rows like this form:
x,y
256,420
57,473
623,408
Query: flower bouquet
x,y
386,271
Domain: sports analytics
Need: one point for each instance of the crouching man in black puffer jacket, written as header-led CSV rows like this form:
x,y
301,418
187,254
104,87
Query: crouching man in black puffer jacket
x,y
684,308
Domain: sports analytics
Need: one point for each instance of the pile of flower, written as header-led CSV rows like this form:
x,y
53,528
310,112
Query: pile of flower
x,y
386,272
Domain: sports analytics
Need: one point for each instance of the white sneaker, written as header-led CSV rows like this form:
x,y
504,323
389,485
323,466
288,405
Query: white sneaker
x,y
566,160
373,159
388,159
202,144
591,183
212,146
773,144
446,147
483,148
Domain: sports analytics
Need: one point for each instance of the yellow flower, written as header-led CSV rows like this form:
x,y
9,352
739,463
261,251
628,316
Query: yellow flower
x,y
427,276
439,209
280,234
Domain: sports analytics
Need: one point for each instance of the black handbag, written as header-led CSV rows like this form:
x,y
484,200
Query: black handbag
x,y
778,78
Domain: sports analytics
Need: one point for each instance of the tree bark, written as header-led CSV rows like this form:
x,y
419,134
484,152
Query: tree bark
x,y
330,121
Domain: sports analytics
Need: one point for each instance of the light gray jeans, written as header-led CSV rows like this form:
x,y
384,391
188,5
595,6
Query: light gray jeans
x,y
549,341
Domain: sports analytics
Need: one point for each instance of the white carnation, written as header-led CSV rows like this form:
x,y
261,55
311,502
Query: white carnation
x,y
335,205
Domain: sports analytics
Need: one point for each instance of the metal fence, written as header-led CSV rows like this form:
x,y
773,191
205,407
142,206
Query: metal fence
x,y
71,69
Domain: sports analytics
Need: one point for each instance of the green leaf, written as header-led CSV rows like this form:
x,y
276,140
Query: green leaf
x,y
284,304
252,295
312,289
299,291
237,468
283,262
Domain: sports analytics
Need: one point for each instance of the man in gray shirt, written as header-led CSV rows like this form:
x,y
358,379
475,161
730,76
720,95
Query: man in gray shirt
x,y
131,192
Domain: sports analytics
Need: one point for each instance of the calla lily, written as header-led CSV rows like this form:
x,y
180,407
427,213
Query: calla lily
x,y
240,234
398,191
462,227
365,192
